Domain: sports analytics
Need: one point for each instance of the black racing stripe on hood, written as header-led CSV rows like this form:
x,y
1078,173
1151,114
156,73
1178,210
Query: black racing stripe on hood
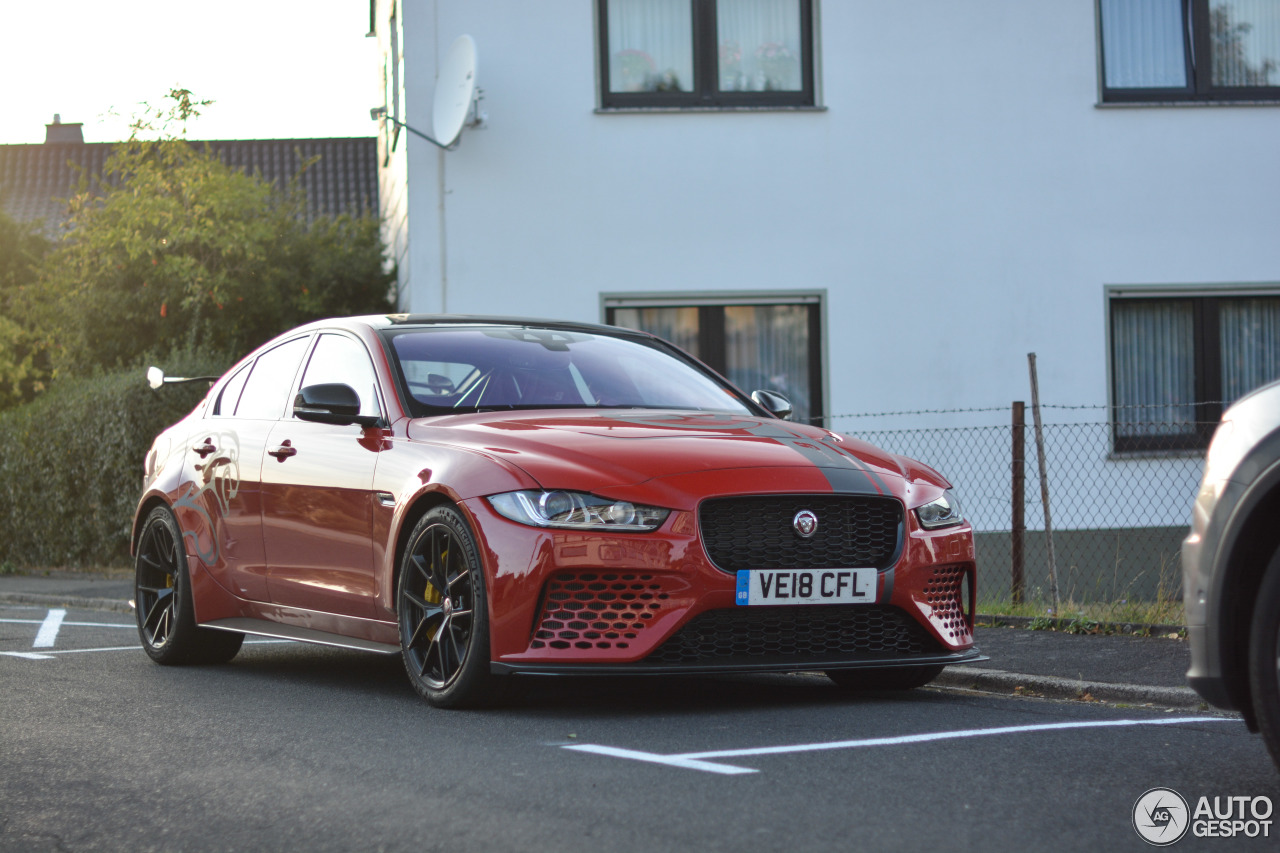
x,y
845,472
870,472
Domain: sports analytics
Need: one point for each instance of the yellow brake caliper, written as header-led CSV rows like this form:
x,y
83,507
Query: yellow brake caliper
x,y
431,595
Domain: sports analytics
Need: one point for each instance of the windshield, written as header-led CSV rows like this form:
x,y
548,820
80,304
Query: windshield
x,y
477,369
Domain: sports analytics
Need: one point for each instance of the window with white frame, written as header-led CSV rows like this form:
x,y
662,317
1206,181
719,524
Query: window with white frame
x,y
705,53
769,342
1189,50
1178,359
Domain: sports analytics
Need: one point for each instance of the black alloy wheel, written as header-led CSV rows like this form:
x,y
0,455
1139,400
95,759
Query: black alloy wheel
x,y
162,600
887,678
442,610
1264,658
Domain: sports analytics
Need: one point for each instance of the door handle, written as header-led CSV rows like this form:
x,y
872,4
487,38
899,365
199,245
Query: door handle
x,y
284,451
206,448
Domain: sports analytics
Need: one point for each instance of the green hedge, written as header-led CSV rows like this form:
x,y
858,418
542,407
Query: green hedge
x,y
71,468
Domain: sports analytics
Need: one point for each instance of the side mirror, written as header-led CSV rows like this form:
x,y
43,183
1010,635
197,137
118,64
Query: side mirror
x,y
331,403
774,403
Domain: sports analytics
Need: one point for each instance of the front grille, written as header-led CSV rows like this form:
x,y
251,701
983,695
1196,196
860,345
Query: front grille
x,y
758,532
799,635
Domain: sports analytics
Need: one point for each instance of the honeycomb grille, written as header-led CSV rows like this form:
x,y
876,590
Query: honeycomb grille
x,y
603,610
795,634
757,532
944,594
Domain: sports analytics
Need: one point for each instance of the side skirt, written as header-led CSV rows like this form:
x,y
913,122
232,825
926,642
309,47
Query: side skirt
x,y
262,628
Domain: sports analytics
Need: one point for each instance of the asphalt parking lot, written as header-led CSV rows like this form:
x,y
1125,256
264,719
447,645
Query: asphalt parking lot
x,y
295,747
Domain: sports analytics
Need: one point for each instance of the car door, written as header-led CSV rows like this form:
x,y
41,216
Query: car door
x,y
226,458
317,486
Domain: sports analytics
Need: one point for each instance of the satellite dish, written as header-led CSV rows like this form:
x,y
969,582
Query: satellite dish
x,y
455,89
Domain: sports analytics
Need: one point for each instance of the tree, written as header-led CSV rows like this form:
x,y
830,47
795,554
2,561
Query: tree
x,y
23,369
181,251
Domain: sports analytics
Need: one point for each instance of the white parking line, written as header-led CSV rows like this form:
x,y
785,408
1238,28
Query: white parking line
x,y
49,655
699,760
66,624
48,633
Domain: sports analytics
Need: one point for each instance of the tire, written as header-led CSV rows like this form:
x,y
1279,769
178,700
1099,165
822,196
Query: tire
x,y
890,678
163,606
1264,658
442,609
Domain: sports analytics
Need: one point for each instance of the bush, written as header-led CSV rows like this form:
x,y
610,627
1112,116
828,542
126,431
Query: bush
x,y
71,468
24,366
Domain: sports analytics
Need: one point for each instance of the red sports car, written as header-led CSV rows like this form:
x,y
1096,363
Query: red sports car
x,y
494,497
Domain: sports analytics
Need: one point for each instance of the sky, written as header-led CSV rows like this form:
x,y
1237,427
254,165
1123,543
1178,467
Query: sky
x,y
275,69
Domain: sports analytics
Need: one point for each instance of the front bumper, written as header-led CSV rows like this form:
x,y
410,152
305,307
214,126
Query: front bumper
x,y
564,602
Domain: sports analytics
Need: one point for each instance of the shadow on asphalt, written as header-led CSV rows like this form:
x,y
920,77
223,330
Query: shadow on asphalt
x,y
646,695
300,664
603,696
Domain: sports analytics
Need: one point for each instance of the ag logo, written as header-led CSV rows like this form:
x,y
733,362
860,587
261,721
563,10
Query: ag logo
x,y
805,523
1161,816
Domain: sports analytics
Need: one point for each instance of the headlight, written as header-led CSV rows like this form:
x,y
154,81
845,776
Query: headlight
x,y
577,511
942,512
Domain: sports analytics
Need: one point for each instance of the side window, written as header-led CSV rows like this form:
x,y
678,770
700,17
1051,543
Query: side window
x,y
225,405
338,358
266,393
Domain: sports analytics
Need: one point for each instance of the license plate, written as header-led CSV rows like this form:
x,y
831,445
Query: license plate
x,y
807,586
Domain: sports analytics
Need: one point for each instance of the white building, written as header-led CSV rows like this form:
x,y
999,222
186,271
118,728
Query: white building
x,y
902,199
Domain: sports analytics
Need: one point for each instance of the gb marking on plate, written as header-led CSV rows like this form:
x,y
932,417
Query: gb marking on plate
x,y
710,762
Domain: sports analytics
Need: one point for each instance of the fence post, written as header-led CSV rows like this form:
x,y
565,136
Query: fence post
x,y
1044,485
1019,500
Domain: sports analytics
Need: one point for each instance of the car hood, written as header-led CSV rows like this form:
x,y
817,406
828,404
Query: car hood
x,y
600,450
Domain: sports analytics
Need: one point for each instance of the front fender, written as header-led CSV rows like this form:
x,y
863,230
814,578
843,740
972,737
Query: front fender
x,y
417,477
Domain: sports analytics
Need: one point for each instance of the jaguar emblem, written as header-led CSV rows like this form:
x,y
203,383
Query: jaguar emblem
x,y
805,523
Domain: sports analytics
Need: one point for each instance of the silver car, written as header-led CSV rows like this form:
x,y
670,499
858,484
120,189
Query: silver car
x,y
1231,567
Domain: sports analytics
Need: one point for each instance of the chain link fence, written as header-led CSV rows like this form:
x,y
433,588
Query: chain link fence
x,y
1118,518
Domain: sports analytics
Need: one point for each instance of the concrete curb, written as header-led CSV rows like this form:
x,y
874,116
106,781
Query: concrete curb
x,y
1053,687
1138,628
109,604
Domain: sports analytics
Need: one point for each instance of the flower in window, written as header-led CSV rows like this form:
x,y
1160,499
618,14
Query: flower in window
x,y
636,70
776,63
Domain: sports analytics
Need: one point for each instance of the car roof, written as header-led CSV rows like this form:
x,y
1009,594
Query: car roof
x,y
389,322
485,320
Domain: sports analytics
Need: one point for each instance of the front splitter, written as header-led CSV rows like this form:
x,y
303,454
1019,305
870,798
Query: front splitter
x,y
704,668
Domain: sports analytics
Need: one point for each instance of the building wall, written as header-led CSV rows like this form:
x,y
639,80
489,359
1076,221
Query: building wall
x,y
962,198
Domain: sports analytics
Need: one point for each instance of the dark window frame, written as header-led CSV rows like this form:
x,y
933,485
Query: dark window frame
x,y
300,380
1207,366
706,94
1196,55
289,390
712,341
